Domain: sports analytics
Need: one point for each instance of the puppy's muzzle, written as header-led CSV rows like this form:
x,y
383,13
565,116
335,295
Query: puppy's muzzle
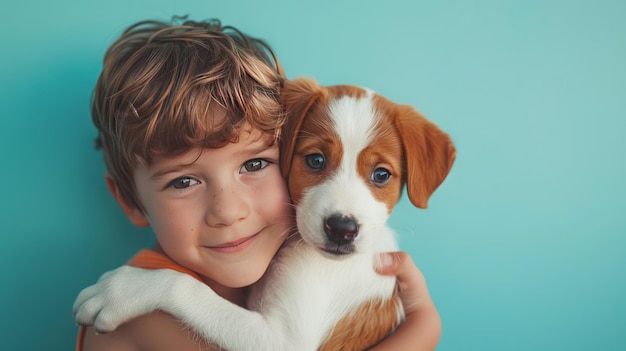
x,y
341,230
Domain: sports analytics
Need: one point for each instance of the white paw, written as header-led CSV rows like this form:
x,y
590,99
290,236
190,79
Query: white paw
x,y
118,296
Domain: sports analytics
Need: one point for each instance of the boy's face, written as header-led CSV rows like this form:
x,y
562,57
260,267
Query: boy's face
x,y
222,213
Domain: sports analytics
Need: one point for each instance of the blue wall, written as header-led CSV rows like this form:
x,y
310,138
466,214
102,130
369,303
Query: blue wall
x,y
524,245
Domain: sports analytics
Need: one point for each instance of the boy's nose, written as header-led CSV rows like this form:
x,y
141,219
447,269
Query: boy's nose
x,y
226,207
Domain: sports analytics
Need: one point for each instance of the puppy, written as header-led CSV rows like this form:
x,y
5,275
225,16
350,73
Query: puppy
x,y
346,153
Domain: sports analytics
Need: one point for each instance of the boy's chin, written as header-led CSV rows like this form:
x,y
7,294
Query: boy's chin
x,y
247,280
246,274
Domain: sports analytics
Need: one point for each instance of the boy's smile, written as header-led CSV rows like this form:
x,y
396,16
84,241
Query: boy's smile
x,y
234,246
222,213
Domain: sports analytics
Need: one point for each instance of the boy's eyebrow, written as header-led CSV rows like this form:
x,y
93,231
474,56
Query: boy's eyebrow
x,y
257,149
162,172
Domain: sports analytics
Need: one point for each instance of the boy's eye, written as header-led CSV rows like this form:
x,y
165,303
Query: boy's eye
x,y
182,182
253,165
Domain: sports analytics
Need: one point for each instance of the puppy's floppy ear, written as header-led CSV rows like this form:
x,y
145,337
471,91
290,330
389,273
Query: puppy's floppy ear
x,y
429,154
297,96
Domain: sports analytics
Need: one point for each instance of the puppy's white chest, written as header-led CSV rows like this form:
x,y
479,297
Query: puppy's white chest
x,y
304,294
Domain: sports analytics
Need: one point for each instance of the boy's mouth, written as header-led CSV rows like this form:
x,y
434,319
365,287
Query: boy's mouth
x,y
235,245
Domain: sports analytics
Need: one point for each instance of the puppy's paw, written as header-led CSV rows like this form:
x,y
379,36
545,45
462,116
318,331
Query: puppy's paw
x,y
118,296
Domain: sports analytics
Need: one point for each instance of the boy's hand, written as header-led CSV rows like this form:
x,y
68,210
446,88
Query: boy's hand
x,y
422,328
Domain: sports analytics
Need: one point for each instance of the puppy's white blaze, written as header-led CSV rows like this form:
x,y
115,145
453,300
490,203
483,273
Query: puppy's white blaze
x,y
354,121
346,192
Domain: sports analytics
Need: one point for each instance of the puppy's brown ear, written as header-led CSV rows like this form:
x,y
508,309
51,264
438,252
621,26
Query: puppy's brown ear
x,y
297,96
429,154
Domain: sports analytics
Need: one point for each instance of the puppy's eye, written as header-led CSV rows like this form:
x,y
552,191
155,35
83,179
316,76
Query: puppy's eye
x,y
380,176
315,161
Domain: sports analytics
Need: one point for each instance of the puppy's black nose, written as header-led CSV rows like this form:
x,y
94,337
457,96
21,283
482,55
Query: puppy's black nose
x,y
341,230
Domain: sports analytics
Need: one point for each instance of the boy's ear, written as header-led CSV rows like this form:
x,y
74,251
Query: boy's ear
x,y
134,214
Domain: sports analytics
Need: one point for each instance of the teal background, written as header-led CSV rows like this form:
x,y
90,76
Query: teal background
x,y
523,246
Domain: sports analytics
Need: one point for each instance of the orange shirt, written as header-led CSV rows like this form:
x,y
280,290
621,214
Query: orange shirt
x,y
147,259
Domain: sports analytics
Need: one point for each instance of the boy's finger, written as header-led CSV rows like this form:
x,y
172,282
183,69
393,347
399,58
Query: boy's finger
x,y
394,263
411,281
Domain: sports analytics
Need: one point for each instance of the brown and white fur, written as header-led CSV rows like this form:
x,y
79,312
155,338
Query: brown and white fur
x,y
346,153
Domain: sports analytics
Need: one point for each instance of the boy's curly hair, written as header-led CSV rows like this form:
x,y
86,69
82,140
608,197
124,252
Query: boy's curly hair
x,y
166,88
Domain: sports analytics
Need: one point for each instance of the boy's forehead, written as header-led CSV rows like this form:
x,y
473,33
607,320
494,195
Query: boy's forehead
x,y
162,162
208,120
248,134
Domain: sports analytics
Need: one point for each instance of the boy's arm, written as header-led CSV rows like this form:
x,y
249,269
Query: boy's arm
x,y
156,331
422,327
124,295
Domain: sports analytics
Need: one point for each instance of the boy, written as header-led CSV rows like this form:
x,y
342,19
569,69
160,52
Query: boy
x,y
188,118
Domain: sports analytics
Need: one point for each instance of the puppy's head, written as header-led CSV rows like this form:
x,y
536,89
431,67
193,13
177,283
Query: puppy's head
x,y
346,153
